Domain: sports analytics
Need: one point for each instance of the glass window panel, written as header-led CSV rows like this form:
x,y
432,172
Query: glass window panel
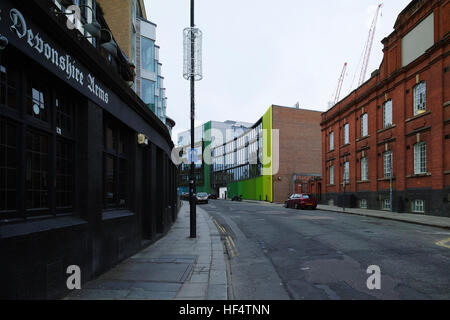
x,y
332,175
37,171
110,181
420,158
331,141
420,98
110,141
8,166
364,169
346,134
347,172
64,174
8,85
148,93
387,164
364,125
148,54
387,114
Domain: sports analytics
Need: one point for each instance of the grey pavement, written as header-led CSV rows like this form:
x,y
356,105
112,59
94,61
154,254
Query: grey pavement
x,y
421,219
174,268
426,220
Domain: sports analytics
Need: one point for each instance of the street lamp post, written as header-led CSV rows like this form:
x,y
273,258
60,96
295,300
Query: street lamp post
x,y
192,71
193,211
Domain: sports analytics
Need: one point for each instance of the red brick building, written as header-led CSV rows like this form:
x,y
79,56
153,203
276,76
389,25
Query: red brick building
x,y
397,124
299,150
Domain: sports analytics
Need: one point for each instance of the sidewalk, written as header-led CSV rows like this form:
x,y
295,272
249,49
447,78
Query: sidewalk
x,y
175,267
441,222
433,221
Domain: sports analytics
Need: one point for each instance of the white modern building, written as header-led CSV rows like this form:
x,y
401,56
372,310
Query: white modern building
x,y
221,132
149,83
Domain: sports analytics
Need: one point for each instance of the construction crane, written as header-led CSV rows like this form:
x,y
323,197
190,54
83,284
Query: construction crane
x,y
368,48
337,94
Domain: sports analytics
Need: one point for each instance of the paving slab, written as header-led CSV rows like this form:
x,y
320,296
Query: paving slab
x,y
175,267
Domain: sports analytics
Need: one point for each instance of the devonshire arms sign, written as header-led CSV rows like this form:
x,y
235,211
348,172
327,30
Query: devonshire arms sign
x,y
24,35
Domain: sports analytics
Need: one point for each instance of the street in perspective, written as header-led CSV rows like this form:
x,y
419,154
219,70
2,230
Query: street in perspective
x,y
304,154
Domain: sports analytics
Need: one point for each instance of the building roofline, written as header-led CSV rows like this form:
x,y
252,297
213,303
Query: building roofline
x,y
148,21
293,108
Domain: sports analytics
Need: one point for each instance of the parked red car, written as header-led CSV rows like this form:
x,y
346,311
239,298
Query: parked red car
x,y
301,201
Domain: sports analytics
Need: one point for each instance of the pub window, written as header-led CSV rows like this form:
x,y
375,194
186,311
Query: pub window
x,y
42,177
65,151
8,167
37,149
64,174
115,166
37,105
8,85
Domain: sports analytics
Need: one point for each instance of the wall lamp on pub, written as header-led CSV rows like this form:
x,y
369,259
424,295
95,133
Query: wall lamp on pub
x,y
110,45
142,140
3,42
94,29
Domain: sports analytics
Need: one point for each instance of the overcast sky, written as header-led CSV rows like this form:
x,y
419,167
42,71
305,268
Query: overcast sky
x,y
259,52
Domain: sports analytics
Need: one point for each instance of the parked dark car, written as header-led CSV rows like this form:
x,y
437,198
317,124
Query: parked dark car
x,y
212,196
301,201
201,197
237,198
185,196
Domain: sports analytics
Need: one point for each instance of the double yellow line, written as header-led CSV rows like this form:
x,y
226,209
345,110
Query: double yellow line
x,y
444,243
231,246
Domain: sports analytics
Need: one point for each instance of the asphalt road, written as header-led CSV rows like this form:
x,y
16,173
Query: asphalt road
x,y
281,254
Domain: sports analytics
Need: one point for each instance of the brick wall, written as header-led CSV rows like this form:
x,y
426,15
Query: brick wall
x,y
432,127
118,16
300,147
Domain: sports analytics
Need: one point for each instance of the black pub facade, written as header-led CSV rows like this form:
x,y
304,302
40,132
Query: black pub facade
x,y
86,177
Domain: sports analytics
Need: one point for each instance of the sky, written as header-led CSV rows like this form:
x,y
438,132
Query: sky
x,y
258,53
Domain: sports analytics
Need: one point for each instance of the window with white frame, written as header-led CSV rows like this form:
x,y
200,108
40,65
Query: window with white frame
x,y
386,204
364,169
420,158
418,206
387,164
387,114
420,104
332,175
347,172
331,141
364,125
346,133
363,204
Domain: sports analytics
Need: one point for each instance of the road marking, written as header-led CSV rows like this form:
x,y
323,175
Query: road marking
x,y
229,243
444,243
